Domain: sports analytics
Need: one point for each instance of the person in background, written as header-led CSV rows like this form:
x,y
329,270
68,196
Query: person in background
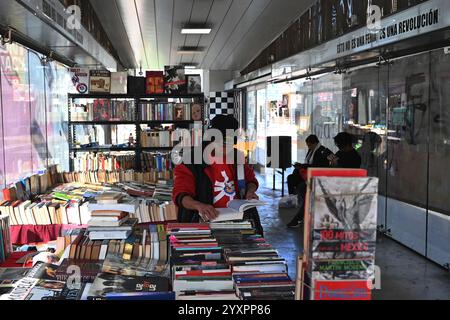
x,y
317,157
347,157
199,189
370,152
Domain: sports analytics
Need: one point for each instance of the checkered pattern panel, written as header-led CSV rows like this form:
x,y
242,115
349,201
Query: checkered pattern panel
x,y
221,103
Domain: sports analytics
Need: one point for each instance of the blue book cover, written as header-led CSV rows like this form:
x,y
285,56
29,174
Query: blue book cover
x,y
274,279
141,296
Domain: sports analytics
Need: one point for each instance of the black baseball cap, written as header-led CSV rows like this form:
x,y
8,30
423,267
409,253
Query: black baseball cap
x,y
224,123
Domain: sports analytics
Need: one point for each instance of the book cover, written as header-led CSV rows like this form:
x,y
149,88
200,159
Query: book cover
x,y
109,283
10,276
21,290
175,80
45,290
43,271
345,203
136,85
80,80
142,267
100,81
101,110
119,82
155,82
341,290
68,293
194,83
143,296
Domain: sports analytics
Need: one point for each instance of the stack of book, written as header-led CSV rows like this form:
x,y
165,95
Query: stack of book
x,y
156,138
45,212
165,111
259,273
340,240
140,268
163,192
32,186
155,211
136,268
103,162
104,110
226,261
157,161
110,217
66,238
120,176
5,238
198,268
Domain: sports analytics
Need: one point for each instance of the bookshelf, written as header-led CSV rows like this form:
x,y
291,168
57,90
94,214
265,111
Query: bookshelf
x,y
138,101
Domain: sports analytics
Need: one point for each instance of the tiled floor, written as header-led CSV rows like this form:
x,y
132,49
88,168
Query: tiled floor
x,y
405,275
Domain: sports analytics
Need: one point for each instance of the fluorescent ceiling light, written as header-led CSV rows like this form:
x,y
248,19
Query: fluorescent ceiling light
x,y
190,50
196,31
190,67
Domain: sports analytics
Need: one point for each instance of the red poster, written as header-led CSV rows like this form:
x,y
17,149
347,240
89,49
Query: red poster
x,y
155,82
342,290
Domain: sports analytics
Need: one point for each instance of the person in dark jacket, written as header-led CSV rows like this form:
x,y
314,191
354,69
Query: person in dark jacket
x,y
347,157
317,157
199,189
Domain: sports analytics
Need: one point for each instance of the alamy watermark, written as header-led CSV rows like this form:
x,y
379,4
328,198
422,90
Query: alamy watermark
x,y
214,146
374,15
74,19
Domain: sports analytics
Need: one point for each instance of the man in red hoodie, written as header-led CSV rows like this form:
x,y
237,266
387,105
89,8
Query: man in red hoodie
x,y
199,189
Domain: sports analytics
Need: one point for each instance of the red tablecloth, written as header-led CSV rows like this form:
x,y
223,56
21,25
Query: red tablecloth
x,y
34,234
39,234
11,260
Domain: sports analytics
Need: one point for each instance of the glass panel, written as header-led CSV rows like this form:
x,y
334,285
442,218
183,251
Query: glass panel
x,y
261,126
251,110
16,112
250,126
407,161
439,199
327,112
57,80
38,113
302,113
282,104
408,129
364,115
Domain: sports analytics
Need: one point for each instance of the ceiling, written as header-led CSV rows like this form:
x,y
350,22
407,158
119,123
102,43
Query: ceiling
x,y
29,23
147,33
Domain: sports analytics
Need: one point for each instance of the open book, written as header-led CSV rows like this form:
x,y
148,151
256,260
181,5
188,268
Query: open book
x,y
236,209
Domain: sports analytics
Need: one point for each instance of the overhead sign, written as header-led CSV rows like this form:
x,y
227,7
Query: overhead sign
x,y
412,24
421,19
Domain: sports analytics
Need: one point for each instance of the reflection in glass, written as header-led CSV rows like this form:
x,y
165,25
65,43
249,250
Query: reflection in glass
x,y
408,115
16,112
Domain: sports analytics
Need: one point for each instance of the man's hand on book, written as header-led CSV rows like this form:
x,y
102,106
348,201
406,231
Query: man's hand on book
x,y
207,212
